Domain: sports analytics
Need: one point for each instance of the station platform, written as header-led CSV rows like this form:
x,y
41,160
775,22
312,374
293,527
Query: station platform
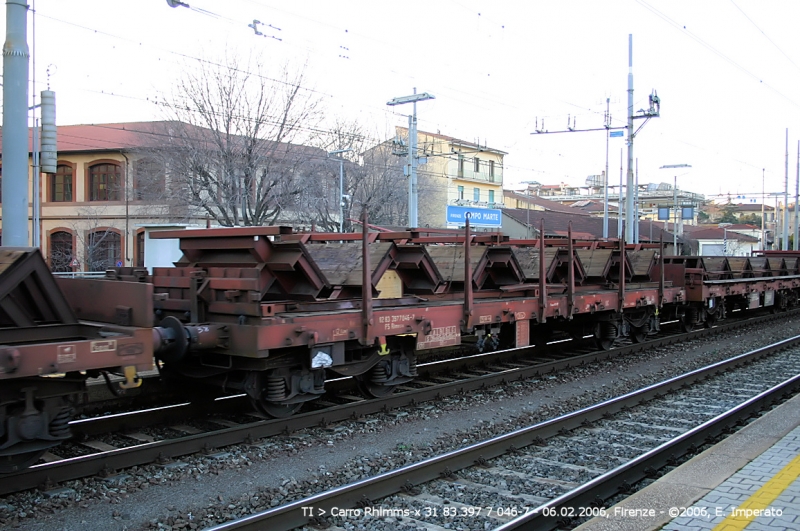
x,y
750,481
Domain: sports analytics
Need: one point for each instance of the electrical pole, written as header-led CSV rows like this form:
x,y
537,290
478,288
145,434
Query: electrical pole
x,y
629,195
763,220
636,205
796,199
528,213
652,112
413,160
785,244
675,223
619,205
605,175
607,128
413,220
675,204
15,126
341,184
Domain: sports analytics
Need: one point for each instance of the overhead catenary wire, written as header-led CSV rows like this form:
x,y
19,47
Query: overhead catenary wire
x,y
685,31
496,101
765,35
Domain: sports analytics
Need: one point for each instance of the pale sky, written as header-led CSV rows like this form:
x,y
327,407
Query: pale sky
x,y
726,72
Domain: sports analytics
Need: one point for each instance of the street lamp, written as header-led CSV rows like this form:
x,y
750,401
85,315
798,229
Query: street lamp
x,y
341,185
412,150
675,200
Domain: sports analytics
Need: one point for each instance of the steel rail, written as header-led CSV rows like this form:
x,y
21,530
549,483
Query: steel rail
x,y
362,492
618,480
105,463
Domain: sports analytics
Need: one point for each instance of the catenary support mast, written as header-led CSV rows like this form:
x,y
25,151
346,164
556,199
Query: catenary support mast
x,y
15,126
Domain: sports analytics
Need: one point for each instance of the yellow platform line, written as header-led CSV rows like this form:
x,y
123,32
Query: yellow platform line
x,y
761,499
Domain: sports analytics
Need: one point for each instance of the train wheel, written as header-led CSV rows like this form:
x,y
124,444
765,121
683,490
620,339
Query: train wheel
x,y
16,462
689,319
638,334
276,409
270,399
605,335
605,344
373,384
372,389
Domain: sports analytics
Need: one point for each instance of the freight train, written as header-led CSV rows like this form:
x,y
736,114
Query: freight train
x,y
273,313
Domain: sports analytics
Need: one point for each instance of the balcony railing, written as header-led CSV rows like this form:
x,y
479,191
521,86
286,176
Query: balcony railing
x,y
468,172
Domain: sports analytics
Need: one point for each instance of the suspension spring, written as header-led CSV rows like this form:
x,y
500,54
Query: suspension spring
x,y
59,426
380,373
275,388
608,330
412,366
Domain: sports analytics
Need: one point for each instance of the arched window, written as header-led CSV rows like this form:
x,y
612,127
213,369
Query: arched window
x,y
61,251
103,250
105,181
61,184
148,179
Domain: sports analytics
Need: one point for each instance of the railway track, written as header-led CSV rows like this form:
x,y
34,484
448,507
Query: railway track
x,y
95,455
547,475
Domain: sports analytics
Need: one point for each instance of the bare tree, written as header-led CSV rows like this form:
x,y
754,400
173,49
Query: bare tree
x,y
373,179
97,245
233,140
382,188
156,197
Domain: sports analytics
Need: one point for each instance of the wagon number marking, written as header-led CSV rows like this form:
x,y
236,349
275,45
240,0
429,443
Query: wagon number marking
x,y
108,345
66,354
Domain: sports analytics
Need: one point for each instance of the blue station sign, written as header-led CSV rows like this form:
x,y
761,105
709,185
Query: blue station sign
x,y
484,217
616,133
